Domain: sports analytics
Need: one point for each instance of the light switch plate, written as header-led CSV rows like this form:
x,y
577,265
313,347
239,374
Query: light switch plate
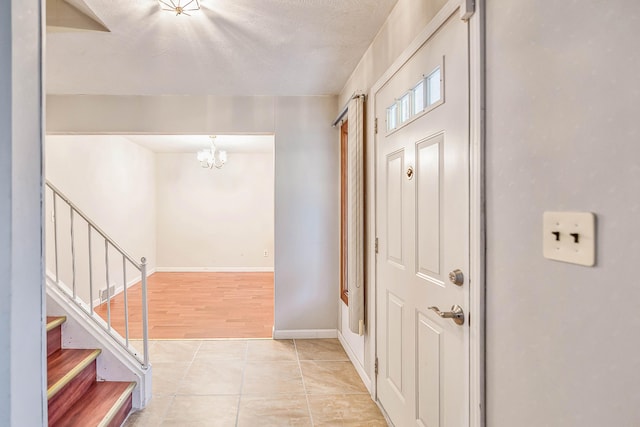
x,y
569,237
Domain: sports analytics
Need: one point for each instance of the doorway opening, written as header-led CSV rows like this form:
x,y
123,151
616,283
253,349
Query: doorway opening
x,y
207,233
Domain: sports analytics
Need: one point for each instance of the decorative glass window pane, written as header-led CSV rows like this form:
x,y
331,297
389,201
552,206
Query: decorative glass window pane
x,y
418,98
405,107
392,117
433,87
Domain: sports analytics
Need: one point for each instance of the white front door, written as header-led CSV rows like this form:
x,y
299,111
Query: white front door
x,y
422,223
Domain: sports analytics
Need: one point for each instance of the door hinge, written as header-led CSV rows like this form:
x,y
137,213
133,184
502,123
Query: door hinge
x,y
376,245
375,366
375,125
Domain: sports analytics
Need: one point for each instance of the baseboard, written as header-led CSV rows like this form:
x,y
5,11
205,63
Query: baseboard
x,y
356,363
304,334
120,289
214,269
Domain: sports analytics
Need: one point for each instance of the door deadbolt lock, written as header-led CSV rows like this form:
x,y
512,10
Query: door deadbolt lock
x,y
410,172
456,277
456,313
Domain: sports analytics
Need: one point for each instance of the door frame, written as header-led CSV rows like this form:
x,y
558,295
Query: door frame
x,y
476,311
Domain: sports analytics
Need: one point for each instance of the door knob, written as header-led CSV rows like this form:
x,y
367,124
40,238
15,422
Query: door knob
x,y
456,313
456,277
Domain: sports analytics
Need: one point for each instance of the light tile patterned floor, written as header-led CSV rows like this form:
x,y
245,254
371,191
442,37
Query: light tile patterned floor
x,y
255,383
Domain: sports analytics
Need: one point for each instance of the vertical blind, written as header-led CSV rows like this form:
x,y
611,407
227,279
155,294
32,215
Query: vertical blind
x,y
355,214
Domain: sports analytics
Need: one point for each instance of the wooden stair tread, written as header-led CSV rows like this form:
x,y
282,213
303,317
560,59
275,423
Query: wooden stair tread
x,y
75,398
64,365
106,400
55,321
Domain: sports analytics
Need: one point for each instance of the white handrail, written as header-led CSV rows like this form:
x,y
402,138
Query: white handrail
x,y
72,295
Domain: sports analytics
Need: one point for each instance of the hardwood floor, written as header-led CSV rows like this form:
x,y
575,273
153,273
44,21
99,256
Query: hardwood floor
x,y
199,305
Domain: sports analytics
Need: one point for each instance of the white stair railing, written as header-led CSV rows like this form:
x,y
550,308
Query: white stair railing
x,y
76,259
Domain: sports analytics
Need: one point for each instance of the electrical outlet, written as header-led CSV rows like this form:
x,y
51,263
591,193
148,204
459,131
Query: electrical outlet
x,y
266,253
569,237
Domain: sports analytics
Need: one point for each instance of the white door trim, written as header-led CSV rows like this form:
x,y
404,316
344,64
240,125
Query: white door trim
x,y
476,202
477,217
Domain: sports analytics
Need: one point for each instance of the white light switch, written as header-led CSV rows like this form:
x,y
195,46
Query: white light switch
x,y
569,237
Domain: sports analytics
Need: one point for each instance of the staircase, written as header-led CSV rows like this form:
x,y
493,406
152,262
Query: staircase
x,y
75,396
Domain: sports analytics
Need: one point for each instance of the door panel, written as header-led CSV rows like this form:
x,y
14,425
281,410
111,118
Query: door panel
x,y
428,206
395,308
428,365
395,166
422,225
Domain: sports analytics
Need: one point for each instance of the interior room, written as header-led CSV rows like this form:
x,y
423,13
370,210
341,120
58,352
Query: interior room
x,y
205,227
454,198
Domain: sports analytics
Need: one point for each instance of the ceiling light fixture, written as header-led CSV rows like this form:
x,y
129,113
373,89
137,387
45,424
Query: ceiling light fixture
x,y
211,157
180,7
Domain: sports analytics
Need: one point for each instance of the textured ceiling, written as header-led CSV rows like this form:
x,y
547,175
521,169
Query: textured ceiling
x,y
229,47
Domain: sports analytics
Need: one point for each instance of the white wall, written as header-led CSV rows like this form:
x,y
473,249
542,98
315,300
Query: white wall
x,y
406,21
218,219
307,228
562,134
160,114
306,177
22,340
112,180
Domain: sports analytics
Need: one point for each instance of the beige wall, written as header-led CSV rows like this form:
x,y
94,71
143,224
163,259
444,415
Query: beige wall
x,y
562,134
112,180
220,219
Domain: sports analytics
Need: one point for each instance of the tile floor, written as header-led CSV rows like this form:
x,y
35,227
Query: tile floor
x,y
255,383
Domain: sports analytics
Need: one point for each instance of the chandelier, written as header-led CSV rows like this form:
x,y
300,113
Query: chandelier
x,y
210,157
180,7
